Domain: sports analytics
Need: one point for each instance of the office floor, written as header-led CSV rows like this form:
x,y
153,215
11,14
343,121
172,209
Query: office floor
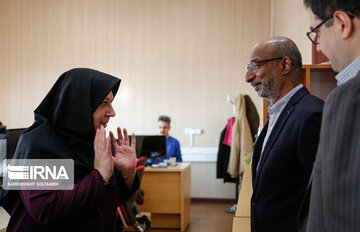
x,y
209,217
204,216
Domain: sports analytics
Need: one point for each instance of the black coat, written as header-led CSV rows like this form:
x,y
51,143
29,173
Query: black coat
x,y
285,168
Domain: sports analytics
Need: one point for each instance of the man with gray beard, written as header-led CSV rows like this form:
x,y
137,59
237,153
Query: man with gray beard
x,y
286,147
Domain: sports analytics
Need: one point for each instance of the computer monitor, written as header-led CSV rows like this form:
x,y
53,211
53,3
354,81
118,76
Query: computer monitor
x,y
151,146
12,141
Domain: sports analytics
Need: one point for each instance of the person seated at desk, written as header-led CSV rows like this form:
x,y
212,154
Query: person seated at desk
x,y
172,144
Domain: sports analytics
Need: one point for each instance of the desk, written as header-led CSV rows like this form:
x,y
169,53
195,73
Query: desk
x,y
167,196
4,219
241,221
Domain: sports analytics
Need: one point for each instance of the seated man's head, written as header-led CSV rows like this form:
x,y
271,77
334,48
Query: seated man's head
x,y
164,125
274,68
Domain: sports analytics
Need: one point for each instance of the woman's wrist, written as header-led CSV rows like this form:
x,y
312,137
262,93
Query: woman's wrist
x,y
105,180
129,179
128,176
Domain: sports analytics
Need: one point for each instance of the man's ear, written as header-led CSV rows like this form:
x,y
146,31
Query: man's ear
x,y
285,65
343,22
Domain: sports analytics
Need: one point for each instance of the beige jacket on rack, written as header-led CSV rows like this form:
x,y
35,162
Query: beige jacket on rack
x,y
241,140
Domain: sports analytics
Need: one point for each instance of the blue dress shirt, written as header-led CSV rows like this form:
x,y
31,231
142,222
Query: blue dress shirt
x,y
173,148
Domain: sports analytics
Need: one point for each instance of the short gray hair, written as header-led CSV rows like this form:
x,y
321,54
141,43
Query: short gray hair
x,y
290,50
164,118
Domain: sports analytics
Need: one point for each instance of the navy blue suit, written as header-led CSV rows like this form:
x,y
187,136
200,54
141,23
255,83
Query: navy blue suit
x,y
280,183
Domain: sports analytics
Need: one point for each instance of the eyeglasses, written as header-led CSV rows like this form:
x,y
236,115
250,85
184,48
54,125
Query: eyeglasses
x,y
253,66
313,35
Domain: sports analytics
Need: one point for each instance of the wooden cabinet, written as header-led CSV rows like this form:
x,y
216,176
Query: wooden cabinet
x,y
167,196
241,221
319,79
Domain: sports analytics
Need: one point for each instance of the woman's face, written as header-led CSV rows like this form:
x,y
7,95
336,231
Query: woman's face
x,y
104,111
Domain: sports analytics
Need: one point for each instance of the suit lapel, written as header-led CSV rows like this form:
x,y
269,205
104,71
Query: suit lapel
x,y
257,151
279,125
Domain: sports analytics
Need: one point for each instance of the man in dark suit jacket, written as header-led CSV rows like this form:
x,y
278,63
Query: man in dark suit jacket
x,y
335,192
286,147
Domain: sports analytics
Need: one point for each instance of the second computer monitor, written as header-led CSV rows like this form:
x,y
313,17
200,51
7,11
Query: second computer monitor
x,y
151,146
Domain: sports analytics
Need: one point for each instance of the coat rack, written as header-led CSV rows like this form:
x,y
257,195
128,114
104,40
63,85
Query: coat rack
x,y
232,209
233,104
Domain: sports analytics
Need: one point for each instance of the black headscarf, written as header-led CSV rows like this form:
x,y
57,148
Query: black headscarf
x,y
64,127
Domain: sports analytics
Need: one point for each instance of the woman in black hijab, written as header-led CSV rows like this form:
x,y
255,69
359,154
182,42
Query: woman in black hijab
x,y
69,124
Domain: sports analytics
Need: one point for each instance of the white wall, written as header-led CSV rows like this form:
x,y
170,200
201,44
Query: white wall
x,y
175,57
203,174
291,20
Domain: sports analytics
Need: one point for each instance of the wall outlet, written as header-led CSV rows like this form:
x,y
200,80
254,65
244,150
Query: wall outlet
x,y
188,131
191,132
197,131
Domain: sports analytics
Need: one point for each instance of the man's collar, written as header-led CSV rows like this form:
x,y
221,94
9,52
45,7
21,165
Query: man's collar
x,y
349,72
283,101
